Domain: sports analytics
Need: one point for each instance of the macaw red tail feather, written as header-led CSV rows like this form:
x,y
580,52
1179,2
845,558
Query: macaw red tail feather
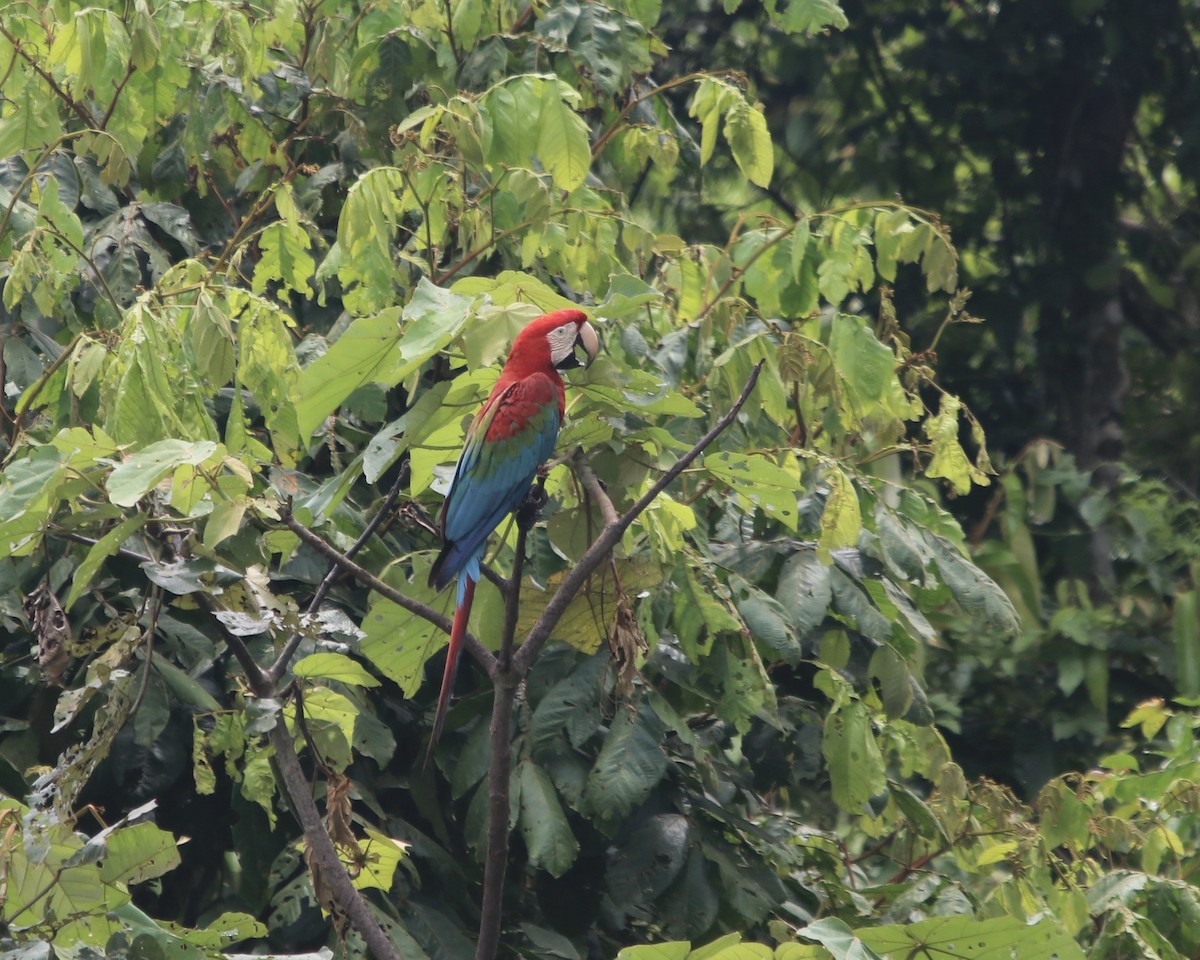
x,y
458,629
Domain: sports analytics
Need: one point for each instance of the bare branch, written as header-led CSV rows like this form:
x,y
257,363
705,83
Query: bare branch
x,y
595,488
323,851
482,655
611,534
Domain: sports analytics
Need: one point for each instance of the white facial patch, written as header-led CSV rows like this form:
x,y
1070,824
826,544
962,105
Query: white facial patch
x,y
562,342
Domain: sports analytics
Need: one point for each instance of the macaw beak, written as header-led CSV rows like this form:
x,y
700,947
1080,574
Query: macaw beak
x,y
590,340
587,338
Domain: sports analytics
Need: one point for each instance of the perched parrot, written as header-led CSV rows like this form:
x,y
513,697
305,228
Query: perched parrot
x,y
511,436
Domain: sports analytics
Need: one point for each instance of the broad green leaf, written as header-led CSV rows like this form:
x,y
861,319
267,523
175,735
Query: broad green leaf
x,y
368,222
334,666
225,520
713,99
965,938
570,711
673,950
548,838
381,854
856,771
767,620
977,593
562,141
64,221
949,459
808,17
867,369
804,590
140,473
613,46
384,348
138,853
100,551
285,259
758,481
838,939
700,616
750,141
629,765
399,643
841,520
895,686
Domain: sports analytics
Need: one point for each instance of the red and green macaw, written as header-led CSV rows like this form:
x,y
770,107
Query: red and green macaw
x,y
512,435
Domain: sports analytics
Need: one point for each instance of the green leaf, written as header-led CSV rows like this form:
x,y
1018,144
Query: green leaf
x,y
363,252
548,838
964,938
138,853
381,855
841,520
673,950
54,213
805,591
767,619
977,593
949,459
895,682
211,338
285,259
399,643
838,939
712,100
808,16
562,140
100,551
856,771
334,666
225,520
630,764
139,474
750,141
613,46
866,367
383,348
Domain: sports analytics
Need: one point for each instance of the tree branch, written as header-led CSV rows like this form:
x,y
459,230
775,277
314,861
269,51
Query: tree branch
x,y
499,775
504,691
364,576
324,854
611,534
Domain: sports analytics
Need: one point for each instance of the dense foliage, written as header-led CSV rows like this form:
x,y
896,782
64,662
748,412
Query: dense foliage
x,y
259,266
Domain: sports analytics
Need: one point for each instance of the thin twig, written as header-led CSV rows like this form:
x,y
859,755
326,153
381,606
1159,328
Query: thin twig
x,y
289,648
117,95
156,595
72,104
611,534
364,576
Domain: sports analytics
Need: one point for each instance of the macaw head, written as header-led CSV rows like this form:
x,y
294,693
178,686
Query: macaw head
x,y
553,340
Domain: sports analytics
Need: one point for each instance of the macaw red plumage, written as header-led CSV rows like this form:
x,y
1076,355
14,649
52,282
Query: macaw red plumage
x,y
512,435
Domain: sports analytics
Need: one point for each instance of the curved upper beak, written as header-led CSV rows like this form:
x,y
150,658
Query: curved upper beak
x,y
590,340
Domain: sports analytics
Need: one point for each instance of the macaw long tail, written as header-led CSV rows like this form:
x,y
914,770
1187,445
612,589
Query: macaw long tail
x,y
458,629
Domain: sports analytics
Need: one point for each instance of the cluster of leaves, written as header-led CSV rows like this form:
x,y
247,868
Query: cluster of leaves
x,y
260,266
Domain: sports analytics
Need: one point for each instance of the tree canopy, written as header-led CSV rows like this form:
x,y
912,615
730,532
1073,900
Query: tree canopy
x,y
786,666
